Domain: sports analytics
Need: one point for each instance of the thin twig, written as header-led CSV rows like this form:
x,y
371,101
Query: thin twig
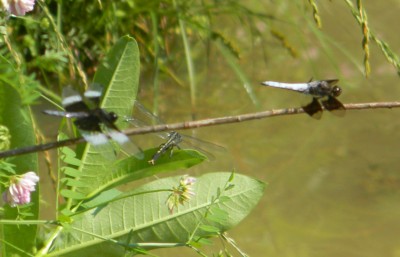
x,y
195,124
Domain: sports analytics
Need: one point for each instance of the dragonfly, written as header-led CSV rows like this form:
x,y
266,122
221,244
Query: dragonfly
x,y
322,91
172,139
94,123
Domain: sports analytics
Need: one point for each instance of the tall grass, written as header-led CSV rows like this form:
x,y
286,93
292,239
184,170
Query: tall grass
x,y
63,41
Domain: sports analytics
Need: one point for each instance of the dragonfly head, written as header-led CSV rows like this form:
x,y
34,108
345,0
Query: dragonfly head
x,y
112,116
336,91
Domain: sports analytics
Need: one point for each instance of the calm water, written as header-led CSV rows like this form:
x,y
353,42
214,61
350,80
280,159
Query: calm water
x,y
334,184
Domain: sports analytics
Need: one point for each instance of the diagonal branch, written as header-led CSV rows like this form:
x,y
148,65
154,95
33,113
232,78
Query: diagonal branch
x,y
195,124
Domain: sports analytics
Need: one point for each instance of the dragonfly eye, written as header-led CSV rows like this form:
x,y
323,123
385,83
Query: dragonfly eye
x,y
113,116
336,91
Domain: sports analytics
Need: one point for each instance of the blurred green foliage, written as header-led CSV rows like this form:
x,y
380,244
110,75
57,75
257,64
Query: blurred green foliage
x,y
61,42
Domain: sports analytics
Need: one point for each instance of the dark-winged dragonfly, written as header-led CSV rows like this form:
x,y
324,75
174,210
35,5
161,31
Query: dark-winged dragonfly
x,y
94,123
172,139
324,91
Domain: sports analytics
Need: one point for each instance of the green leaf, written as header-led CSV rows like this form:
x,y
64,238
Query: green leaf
x,y
131,169
204,241
72,194
17,118
71,160
216,218
71,172
210,229
102,198
119,74
72,182
217,211
142,216
67,151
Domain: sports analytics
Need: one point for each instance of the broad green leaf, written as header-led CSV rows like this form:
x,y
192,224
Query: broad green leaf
x,y
142,216
17,118
102,198
132,169
119,74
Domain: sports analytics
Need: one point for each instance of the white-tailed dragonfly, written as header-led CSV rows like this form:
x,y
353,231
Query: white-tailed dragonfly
x,y
92,120
173,138
325,91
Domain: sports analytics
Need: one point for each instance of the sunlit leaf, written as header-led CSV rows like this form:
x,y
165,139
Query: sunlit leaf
x,y
119,75
132,169
142,216
72,194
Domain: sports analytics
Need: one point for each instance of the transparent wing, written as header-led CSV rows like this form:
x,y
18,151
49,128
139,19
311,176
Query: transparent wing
x,y
192,142
203,146
126,144
331,82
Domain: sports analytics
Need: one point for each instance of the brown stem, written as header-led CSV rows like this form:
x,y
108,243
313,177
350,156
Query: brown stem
x,y
195,124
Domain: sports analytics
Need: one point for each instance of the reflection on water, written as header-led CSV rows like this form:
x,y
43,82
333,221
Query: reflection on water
x,y
334,184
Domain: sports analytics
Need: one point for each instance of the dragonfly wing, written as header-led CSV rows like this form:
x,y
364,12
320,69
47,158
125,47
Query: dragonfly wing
x,y
189,145
66,114
203,143
143,117
205,147
149,118
94,93
332,82
314,109
334,105
126,144
55,113
94,138
73,101
139,123
146,115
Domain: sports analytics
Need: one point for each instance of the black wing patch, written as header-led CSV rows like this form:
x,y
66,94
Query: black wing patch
x,y
334,105
73,101
314,109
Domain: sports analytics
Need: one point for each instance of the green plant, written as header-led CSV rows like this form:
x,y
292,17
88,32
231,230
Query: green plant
x,y
97,214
